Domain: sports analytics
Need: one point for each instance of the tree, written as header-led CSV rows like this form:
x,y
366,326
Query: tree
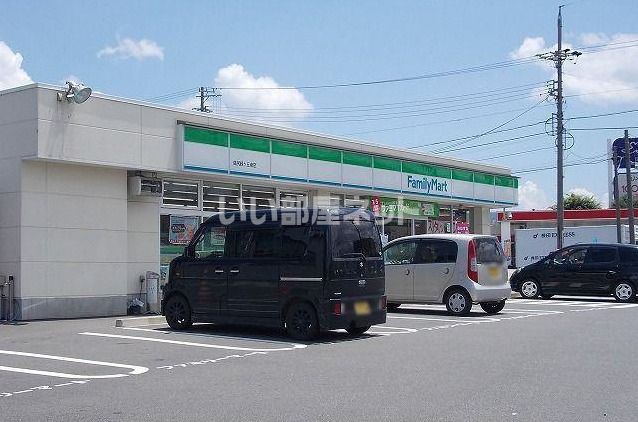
x,y
624,202
576,201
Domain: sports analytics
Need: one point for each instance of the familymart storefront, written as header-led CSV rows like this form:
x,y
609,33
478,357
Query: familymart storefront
x,y
230,171
95,195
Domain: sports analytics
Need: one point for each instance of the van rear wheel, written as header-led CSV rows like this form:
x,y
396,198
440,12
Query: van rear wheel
x,y
357,331
301,322
492,308
178,313
458,302
392,307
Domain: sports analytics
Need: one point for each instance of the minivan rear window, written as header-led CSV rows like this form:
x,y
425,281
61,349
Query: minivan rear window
x,y
488,251
352,238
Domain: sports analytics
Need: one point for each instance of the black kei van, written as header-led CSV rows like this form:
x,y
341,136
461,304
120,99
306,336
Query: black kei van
x,y
305,270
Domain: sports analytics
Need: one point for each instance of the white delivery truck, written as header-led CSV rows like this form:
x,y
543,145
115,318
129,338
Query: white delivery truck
x,y
534,244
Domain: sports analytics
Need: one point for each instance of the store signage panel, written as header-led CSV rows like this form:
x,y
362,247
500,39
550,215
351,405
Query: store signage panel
x,y
222,152
401,207
426,185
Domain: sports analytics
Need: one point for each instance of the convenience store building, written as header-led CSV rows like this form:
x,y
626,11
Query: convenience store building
x,y
94,195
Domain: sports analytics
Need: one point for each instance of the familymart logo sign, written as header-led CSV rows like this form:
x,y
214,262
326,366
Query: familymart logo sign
x,y
427,185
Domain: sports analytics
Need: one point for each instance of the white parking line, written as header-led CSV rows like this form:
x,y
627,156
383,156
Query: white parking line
x,y
135,370
188,343
399,330
212,335
429,319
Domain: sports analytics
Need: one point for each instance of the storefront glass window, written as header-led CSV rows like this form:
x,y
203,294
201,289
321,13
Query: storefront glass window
x,y
291,199
420,226
180,194
256,197
336,200
175,232
220,197
396,228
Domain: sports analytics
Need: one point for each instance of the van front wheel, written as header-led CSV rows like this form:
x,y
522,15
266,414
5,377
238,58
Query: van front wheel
x,y
178,313
301,322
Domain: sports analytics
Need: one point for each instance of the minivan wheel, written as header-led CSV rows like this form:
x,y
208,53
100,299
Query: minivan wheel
x,y
624,292
458,302
178,313
357,331
530,289
301,322
493,307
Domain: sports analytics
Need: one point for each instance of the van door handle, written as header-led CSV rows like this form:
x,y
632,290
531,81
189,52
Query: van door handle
x,y
407,271
219,271
234,271
611,273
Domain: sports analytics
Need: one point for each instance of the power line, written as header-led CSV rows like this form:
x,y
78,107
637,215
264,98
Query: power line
x,y
388,116
451,98
500,141
604,128
603,115
460,119
528,151
494,128
533,170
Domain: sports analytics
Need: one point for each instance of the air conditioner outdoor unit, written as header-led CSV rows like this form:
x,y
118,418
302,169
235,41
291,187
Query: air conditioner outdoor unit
x,y
144,186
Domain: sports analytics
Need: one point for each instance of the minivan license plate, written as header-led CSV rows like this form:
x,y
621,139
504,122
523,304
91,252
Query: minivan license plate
x,y
362,308
495,272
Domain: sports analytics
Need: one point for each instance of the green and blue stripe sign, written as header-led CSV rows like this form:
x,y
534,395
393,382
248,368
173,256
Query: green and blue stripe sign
x,y
213,151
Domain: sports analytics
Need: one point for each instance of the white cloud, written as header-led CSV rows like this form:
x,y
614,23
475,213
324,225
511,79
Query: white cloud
x,y
11,72
127,48
531,196
253,102
610,71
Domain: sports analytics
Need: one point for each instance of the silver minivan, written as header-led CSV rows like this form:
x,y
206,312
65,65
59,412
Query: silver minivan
x,y
454,269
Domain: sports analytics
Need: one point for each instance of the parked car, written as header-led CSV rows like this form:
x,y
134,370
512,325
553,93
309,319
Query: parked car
x,y
302,270
455,269
586,270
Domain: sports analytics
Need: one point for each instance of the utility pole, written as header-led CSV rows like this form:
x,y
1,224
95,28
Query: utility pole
x,y
630,191
615,159
558,57
204,95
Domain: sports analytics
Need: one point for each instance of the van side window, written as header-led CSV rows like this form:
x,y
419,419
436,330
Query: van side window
x,y
211,243
436,252
401,253
252,243
294,241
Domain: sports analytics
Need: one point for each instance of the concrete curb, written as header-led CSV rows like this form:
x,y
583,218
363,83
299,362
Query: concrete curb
x,y
136,322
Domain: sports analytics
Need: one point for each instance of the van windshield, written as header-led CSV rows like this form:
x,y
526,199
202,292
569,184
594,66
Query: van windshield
x,y
355,238
488,251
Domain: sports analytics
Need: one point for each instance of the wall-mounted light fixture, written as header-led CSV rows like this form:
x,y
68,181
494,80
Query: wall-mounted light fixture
x,y
77,93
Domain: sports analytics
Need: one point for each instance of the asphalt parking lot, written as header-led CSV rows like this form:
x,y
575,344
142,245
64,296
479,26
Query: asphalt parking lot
x,y
539,360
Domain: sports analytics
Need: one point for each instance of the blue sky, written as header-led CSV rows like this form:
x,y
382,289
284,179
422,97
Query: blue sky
x,y
149,49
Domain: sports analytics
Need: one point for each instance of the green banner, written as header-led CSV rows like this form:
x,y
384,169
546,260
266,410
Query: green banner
x,y
384,206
